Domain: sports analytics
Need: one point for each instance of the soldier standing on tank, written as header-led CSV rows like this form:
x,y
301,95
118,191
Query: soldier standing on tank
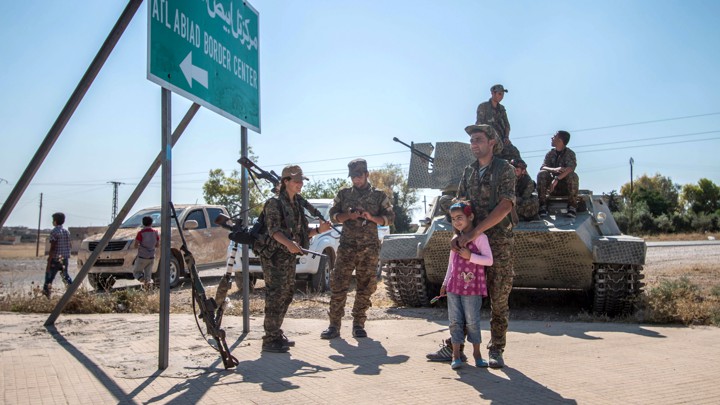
x,y
489,184
494,114
526,201
288,229
361,209
558,173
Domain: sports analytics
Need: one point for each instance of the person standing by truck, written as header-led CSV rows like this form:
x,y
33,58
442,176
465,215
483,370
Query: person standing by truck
x,y
146,242
289,234
361,209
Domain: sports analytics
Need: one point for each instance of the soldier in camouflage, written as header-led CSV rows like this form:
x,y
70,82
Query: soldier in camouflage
x,y
288,229
489,184
360,208
526,201
557,174
494,114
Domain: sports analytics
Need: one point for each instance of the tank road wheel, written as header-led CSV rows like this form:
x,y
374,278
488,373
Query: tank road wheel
x,y
405,283
616,288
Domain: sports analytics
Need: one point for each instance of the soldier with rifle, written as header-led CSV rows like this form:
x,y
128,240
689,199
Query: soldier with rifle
x,y
288,235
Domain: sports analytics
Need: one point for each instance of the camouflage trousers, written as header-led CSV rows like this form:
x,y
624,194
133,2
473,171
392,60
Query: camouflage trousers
x,y
499,282
527,209
279,274
509,152
566,187
364,261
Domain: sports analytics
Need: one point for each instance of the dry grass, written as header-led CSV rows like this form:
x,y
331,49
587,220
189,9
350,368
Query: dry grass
x,y
22,251
668,237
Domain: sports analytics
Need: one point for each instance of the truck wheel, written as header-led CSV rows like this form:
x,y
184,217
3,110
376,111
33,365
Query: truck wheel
x,y
320,281
175,273
239,281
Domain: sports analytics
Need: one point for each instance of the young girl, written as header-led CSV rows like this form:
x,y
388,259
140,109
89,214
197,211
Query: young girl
x,y
465,285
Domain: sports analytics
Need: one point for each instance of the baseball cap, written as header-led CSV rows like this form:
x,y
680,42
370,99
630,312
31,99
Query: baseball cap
x,y
488,130
357,167
498,87
294,172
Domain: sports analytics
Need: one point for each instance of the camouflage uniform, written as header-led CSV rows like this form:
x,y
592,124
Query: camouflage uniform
x,y
359,250
476,186
278,264
567,186
526,203
497,118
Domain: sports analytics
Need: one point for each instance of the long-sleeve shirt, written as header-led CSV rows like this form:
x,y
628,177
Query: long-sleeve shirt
x,y
467,277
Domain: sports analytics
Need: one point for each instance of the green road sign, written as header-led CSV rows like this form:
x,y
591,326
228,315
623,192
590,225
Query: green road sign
x,y
207,51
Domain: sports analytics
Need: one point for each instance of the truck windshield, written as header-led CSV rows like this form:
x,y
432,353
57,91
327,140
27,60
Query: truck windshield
x,y
135,221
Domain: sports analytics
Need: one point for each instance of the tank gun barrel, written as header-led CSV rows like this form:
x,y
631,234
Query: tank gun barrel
x,y
415,151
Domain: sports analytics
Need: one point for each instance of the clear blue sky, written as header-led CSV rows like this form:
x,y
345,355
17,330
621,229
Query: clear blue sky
x,y
339,79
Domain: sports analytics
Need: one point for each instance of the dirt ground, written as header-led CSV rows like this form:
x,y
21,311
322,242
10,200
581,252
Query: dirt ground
x,y
19,269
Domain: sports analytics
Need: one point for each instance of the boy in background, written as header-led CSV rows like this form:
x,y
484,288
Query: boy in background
x,y
59,254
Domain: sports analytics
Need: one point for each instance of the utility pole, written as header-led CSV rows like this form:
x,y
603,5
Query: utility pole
x,y
632,161
115,184
37,243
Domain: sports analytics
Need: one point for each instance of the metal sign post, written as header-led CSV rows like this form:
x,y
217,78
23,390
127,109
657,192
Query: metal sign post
x,y
166,194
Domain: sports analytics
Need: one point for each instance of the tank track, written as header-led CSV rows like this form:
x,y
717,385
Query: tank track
x,y
405,282
616,288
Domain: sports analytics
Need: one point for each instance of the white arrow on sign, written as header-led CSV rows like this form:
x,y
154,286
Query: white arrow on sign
x,y
193,72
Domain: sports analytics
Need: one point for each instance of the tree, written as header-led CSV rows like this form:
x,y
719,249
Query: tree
x,y
614,201
393,182
658,192
226,190
324,189
703,198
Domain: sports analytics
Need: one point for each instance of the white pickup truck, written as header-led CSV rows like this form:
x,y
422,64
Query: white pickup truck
x,y
205,239
313,269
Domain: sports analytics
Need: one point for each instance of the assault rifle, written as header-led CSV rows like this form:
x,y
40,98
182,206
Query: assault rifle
x,y
272,177
208,306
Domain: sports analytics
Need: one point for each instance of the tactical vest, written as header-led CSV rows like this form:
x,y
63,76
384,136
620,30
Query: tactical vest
x,y
263,245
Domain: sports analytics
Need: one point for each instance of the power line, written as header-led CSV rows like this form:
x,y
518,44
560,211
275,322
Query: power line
x,y
624,125
637,146
635,140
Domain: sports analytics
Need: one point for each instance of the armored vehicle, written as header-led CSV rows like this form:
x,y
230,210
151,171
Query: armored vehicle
x,y
584,253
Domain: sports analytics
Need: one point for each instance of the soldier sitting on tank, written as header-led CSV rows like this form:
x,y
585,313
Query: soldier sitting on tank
x,y
557,175
526,201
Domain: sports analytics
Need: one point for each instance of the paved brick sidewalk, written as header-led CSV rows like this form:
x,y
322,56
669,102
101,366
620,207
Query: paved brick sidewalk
x,y
113,359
